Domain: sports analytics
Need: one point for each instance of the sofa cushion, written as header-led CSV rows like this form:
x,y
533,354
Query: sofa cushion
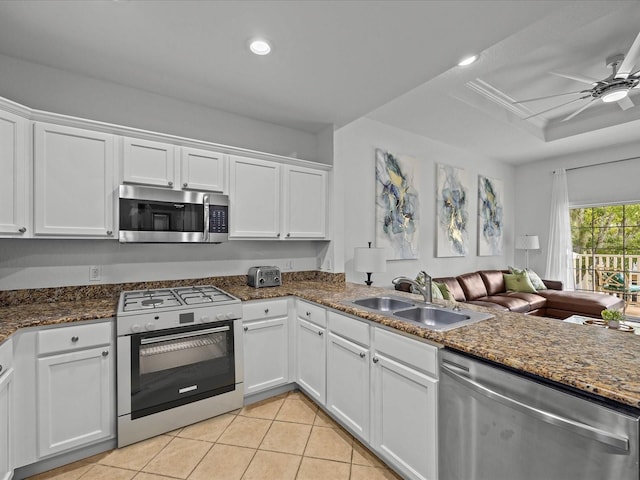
x,y
534,300
493,281
472,285
514,304
454,288
491,305
589,303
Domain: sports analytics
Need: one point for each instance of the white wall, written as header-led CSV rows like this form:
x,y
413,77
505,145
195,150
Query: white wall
x,y
533,187
355,165
50,89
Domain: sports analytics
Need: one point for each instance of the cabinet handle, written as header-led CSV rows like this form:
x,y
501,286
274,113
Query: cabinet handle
x,y
105,353
288,235
170,184
246,329
109,232
278,235
362,354
320,333
22,230
308,314
266,310
185,184
74,339
375,360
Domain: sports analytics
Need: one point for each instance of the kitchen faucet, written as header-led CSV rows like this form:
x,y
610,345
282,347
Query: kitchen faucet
x,y
425,289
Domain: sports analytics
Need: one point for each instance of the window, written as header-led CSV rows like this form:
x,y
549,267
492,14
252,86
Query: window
x,y
606,250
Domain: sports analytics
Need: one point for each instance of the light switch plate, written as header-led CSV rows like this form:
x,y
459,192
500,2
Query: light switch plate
x,y
95,273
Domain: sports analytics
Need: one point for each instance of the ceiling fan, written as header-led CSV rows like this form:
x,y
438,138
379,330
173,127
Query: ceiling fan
x,y
615,88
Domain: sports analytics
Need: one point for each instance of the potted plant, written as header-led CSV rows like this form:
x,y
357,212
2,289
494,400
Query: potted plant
x,y
613,318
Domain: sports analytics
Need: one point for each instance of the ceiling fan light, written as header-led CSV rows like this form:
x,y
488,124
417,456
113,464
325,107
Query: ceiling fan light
x,y
615,94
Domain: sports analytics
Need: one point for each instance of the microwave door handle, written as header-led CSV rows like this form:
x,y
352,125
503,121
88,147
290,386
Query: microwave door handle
x,y
205,233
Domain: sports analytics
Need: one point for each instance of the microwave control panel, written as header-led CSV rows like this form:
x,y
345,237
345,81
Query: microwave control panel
x,y
218,219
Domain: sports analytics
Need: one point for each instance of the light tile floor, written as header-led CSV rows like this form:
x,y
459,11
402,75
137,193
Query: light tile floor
x,y
284,437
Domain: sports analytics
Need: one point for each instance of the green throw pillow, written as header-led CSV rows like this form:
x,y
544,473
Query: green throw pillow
x,y
444,290
536,281
436,294
518,282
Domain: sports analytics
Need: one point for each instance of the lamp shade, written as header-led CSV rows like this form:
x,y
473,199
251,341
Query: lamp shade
x,y
527,242
370,260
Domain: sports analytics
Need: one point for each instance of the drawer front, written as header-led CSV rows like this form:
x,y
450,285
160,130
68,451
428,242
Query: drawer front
x,y
6,356
264,309
311,313
74,337
349,328
411,352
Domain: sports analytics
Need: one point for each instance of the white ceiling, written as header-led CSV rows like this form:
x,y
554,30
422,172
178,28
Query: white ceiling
x,y
336,61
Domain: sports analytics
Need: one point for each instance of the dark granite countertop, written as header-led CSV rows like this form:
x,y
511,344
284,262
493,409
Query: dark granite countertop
x,y
595,360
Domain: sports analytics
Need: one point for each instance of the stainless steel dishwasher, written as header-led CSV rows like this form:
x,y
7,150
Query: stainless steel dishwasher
x,y
494,424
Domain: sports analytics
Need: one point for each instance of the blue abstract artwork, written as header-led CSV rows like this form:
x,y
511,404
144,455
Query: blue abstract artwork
x,y
397,205
452,238
490,216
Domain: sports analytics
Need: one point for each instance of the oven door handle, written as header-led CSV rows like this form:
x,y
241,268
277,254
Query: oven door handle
x,y
179,336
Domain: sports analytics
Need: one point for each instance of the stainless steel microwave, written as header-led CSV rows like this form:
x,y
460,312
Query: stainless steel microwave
x,y
157,215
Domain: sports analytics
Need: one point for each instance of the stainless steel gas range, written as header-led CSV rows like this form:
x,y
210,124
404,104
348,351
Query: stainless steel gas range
x,y
179,359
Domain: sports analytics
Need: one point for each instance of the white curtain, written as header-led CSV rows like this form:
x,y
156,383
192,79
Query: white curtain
x,y
560,252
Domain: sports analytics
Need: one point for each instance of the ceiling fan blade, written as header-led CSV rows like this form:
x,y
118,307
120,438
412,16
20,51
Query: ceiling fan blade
x,y
577,78
549,96
626,103
580,110
557,106
630,59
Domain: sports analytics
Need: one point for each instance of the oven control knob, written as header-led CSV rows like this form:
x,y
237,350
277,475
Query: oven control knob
x,y
220,316
135,328
150,326
205,319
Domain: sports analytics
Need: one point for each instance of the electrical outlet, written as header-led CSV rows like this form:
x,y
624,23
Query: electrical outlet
x,y
95,273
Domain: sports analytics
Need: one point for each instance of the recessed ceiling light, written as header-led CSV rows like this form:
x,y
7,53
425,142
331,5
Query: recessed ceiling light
x,y
260,46
467,61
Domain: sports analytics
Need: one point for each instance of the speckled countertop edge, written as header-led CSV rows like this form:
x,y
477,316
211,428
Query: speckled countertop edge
x,y
595,360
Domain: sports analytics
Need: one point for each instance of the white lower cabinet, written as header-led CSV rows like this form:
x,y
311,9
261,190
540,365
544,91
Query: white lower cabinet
x,y
404,404
311,350
6,411
266,345
75,387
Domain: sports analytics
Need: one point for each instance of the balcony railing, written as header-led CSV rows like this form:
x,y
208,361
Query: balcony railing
x,y
585,268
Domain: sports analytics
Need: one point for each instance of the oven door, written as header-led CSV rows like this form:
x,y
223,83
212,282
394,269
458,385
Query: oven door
x,y
180,365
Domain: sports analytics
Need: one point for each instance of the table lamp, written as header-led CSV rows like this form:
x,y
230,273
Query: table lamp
x,y
369,260
526,243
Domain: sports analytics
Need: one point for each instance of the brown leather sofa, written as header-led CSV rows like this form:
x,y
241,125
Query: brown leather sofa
x,y
487,288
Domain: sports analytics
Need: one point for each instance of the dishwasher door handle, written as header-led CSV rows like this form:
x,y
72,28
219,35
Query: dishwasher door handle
x,y
612,439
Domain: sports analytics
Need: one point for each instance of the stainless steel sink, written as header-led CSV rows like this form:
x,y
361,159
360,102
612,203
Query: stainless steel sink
x,y
426,315
383,304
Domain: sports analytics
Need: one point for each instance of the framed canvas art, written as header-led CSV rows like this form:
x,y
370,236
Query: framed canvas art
x,y
490,216
397,205
452,216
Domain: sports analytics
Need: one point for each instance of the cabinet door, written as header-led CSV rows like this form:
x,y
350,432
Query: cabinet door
x,y
6,424
13,165
254,198
74,184
75,399
148,163
203,170
405,417
311,359
348,383
305,202
266,359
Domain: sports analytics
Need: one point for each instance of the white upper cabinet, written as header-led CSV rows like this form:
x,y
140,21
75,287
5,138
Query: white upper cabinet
x,y
305,202
73,181
148,163
13,181
273,201
158,164
254,198
203,170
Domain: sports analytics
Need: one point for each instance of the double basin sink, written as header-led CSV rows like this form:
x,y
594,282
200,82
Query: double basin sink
x,y
427,315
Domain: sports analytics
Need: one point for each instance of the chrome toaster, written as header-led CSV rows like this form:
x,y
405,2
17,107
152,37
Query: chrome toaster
x,y
264,276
